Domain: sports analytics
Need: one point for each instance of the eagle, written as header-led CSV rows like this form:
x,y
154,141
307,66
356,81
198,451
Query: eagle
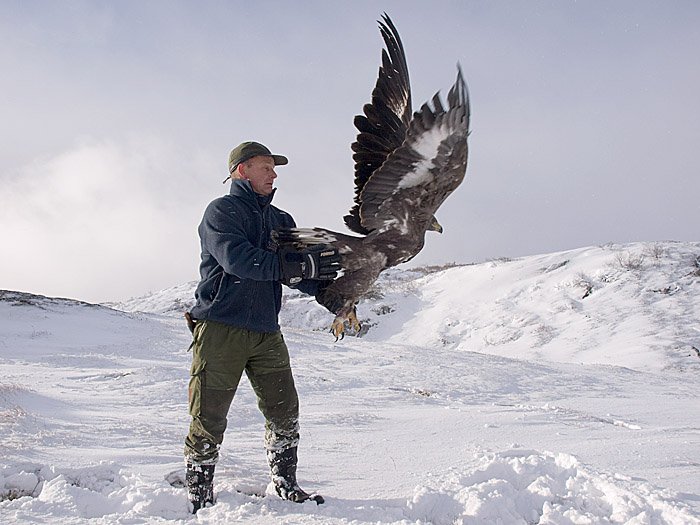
x,y
406,165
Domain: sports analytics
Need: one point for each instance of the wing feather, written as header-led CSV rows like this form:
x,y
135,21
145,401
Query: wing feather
x,y
417,177
382,128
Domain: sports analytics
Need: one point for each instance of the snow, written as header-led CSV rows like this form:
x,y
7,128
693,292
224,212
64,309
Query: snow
x,y
554,389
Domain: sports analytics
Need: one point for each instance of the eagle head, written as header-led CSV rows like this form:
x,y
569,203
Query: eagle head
x,y
435,225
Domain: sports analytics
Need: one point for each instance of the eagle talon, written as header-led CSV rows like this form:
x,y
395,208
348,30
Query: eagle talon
x,y
338,328
354,322
338,325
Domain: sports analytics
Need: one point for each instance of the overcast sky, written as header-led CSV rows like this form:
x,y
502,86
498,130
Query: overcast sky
x,y
117,120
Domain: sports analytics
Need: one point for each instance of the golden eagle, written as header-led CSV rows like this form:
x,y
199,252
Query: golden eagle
x,y
406,164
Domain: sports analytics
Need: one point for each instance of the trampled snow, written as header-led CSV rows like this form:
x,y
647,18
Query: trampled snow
x,y
560,389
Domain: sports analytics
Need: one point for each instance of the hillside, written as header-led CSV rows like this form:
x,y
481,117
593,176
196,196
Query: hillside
x,y
631,305
560,388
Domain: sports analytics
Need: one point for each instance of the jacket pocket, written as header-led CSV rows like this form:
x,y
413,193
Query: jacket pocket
x,y
218,287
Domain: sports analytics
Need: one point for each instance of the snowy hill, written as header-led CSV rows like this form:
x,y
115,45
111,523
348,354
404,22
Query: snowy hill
x,y
630,305
560,388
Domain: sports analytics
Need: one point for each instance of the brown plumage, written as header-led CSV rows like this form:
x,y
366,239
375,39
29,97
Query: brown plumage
x,y
405,167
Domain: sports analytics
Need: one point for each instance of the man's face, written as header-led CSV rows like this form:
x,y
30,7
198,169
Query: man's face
x,y
260,171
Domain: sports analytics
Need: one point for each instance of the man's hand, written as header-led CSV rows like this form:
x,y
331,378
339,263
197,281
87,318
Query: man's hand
x,y
320,261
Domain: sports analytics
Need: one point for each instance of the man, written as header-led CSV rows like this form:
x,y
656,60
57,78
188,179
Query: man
x,y
235,323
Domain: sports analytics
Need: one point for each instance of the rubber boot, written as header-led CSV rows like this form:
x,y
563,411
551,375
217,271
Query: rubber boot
x,y
283,467
200,485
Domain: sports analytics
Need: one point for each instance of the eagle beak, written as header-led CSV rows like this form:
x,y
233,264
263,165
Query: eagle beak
x,y
435,226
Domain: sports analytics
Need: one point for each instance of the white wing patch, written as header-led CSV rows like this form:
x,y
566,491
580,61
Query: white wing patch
x,y
426,146
419,175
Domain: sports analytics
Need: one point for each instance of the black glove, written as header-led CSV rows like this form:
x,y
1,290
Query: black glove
x,y
320,261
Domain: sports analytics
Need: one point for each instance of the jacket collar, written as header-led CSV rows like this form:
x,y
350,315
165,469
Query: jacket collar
x,y
242,188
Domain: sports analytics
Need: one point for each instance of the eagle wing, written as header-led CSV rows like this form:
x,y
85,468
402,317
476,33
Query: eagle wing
x,y
405,192
383,127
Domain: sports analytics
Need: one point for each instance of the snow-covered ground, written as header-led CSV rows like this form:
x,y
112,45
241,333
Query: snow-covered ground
x,y
560,389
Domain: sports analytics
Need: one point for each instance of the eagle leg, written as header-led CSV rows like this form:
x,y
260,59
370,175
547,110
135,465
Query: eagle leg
x,y
338,325
353,321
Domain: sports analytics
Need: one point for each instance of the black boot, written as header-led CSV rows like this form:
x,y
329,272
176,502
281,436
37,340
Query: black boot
x,y
283,466
200,485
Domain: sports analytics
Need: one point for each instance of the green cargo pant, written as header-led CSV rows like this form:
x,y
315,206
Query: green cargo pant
x,y
220,355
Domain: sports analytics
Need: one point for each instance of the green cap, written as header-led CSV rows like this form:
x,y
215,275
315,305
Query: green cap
x,y
248,150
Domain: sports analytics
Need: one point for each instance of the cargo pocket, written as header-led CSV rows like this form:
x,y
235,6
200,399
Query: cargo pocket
x,y
197,373
195,394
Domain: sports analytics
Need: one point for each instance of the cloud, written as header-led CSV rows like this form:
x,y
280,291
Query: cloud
x,y
105,220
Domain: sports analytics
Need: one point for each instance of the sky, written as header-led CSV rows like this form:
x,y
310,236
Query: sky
x,y
118,118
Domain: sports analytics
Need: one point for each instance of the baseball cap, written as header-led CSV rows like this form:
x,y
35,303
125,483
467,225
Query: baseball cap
x,y
250,149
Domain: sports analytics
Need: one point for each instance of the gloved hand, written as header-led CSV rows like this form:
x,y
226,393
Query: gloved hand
x,y
320,261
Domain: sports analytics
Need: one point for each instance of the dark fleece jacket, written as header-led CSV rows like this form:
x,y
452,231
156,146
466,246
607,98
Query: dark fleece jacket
x,y
240,270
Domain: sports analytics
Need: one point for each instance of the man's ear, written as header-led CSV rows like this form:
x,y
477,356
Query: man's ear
x,y
241,171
